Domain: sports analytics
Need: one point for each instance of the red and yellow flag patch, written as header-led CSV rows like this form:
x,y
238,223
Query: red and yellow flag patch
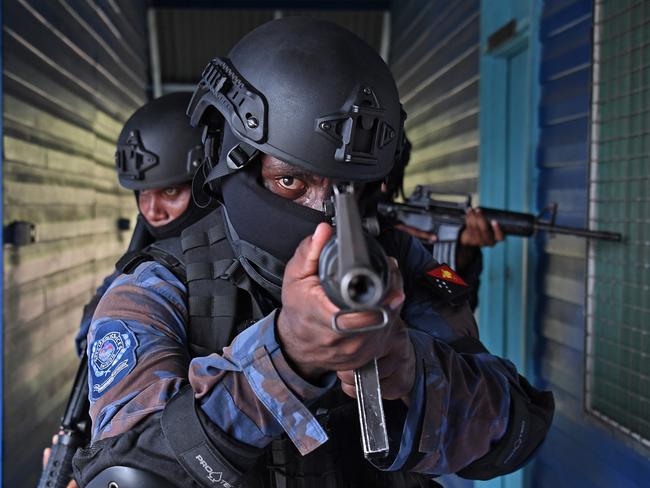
x,y
444,272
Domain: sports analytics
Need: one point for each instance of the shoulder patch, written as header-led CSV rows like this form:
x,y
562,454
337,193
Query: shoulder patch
x,y
112,356
445,284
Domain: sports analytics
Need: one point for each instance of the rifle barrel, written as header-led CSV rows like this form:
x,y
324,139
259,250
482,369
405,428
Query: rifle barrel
x,y
574,231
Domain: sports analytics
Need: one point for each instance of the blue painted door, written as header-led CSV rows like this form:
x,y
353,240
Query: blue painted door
x,y
507,178
503,185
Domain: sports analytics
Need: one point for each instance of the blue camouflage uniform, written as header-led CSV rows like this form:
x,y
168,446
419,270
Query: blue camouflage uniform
x,y
139,358
89,311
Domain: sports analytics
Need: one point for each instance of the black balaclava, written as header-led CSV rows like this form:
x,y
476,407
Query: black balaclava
x,y
192,214
262,218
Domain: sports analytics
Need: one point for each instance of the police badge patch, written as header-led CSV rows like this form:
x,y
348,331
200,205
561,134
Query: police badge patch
x,y
112,356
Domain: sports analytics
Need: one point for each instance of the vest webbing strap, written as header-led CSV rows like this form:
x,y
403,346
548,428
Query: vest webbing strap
x,y
131,260
211,271
214,306
272,288
171,262
264,260
212,236
209,340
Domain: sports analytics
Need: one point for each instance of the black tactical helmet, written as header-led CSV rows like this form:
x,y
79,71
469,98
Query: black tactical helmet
x,y
308,92
157,146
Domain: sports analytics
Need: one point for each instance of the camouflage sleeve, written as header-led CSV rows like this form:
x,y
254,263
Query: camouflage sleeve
x,y
137,357
89,311
138,360
251,392
460,403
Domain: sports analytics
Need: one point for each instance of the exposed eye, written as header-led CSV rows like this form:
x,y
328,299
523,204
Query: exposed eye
x,y
287,186
171,191
290,183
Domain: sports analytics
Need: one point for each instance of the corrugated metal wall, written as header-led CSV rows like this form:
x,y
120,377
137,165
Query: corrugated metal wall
x,y
578,451
562,162
435,58
73,72
189,38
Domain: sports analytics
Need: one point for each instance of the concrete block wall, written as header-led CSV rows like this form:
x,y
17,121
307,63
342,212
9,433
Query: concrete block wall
x,y
73,72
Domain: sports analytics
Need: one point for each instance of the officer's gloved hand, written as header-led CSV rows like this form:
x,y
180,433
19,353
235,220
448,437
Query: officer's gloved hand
x,y
313,347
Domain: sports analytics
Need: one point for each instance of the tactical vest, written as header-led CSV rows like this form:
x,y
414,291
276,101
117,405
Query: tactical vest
x,y
222,301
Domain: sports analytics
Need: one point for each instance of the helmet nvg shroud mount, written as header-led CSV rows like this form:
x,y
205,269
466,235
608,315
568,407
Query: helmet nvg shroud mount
x,y
307,92
157,146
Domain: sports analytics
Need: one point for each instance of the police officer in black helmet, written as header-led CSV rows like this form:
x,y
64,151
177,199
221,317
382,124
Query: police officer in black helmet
x,y
230,374
460,247
157,155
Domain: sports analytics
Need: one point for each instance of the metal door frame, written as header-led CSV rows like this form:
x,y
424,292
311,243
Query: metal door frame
x,y
2,113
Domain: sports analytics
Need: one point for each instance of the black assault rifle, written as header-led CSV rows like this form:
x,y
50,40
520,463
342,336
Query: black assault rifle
x,y
427,214
74,431
353,270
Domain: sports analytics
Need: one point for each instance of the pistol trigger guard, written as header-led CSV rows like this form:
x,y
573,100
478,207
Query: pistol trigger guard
x,y
369,328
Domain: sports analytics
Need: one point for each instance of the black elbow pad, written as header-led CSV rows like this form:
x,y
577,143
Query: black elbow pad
x,y
531,414
209,456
